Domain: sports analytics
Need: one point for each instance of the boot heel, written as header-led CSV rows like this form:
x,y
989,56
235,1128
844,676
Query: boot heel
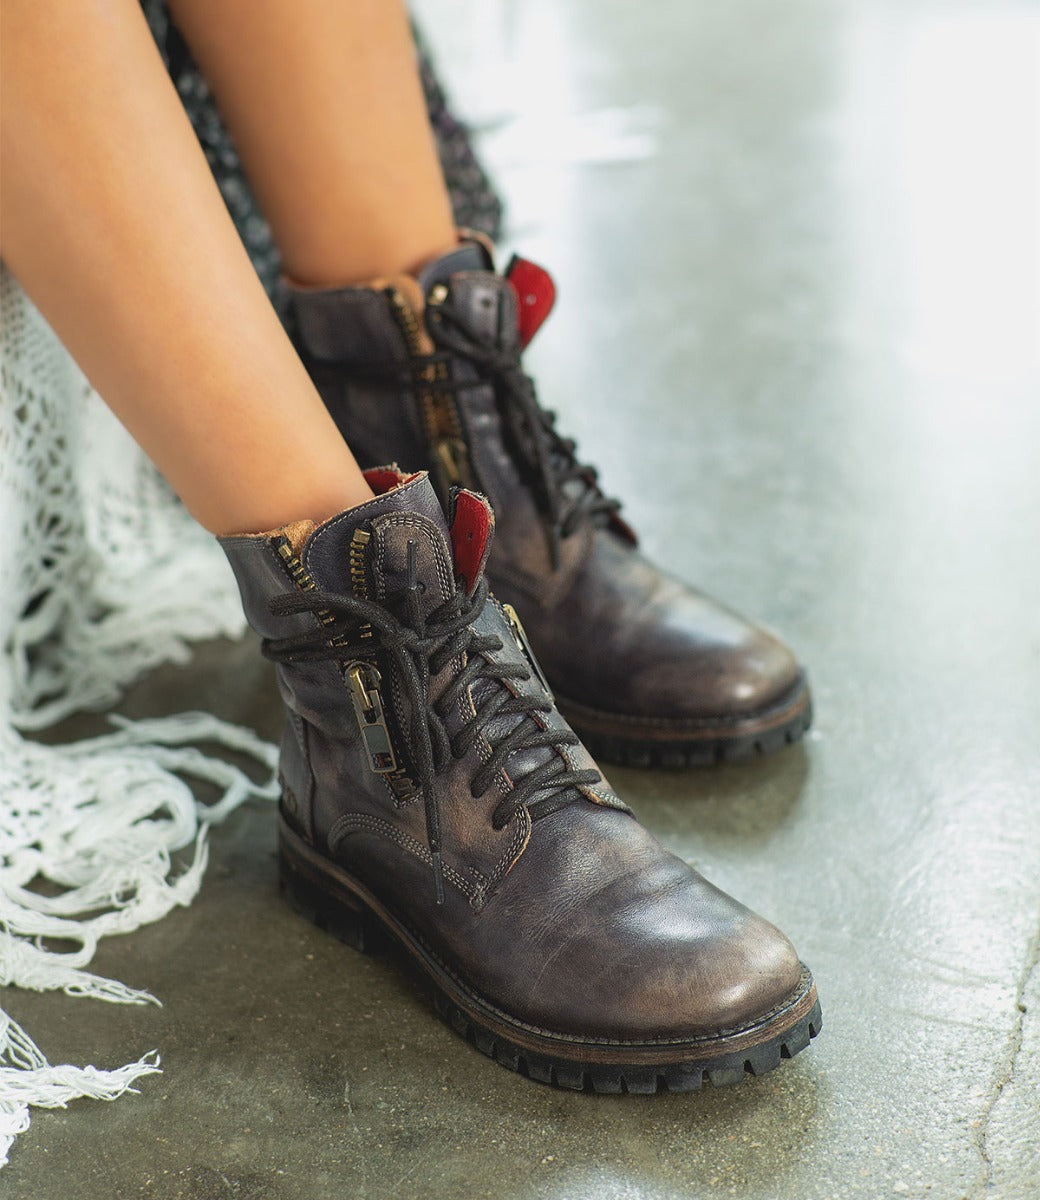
x,y
325,902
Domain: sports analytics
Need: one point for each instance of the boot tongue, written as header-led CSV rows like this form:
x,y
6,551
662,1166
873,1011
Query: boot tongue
x,y
469,256
481,302
359,535
416,548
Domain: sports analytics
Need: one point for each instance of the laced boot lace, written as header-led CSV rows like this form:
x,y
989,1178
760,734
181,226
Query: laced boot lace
x,y
423,645
549,459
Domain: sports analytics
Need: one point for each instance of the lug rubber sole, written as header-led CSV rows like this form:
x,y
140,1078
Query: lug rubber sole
x,y
635,742
327,895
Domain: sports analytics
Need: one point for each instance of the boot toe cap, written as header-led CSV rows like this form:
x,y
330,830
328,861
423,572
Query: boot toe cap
x,y
700,983
717,666
658,953
664,652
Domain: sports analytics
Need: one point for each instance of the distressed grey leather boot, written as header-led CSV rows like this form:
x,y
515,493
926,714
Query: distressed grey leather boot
x,y
426,373
432,792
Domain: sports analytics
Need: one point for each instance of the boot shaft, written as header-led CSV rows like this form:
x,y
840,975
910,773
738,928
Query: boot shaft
x,y
426,372
373,617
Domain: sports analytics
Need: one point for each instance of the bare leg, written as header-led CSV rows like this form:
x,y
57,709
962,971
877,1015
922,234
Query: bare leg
x,y
112,223
325,106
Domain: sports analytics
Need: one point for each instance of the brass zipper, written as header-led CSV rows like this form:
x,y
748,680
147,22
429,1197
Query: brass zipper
x,y
364,682
520,637
362,678
356,562
453,457
300,575
439,410
407,319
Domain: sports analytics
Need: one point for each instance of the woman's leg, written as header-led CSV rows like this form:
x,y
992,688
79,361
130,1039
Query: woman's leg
x,y
326,109
112,223
324,101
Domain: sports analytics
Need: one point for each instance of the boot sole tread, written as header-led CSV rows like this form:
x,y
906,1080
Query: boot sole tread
x,y
681,750
325,894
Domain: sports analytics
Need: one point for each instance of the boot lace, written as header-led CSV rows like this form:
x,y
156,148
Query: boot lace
x,y
565,489
423,645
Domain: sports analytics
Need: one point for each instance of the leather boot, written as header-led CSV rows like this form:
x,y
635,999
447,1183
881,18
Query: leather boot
x,y
432,792
426,373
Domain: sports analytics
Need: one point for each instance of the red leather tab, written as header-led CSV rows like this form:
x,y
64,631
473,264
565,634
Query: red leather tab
x,y
535,295
385,479
471,526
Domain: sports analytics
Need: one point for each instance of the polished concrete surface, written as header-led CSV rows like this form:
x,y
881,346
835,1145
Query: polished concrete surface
x,y
799,328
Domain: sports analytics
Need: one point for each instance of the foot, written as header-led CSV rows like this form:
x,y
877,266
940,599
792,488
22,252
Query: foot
x,y
427,373
433,793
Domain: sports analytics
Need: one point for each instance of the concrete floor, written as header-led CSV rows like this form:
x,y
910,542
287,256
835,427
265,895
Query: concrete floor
x,y
799,329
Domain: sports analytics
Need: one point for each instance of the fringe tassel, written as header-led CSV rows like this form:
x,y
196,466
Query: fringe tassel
x,y
27,1078
100,819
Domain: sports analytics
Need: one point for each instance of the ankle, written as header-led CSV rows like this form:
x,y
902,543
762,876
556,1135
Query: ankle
x,y
363,265
283,512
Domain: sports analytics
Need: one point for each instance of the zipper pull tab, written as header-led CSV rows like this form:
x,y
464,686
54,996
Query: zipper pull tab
x,y
453,456
520,637
364,682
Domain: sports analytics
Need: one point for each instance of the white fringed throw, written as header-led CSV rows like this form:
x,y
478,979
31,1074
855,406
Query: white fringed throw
x,y
102,577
